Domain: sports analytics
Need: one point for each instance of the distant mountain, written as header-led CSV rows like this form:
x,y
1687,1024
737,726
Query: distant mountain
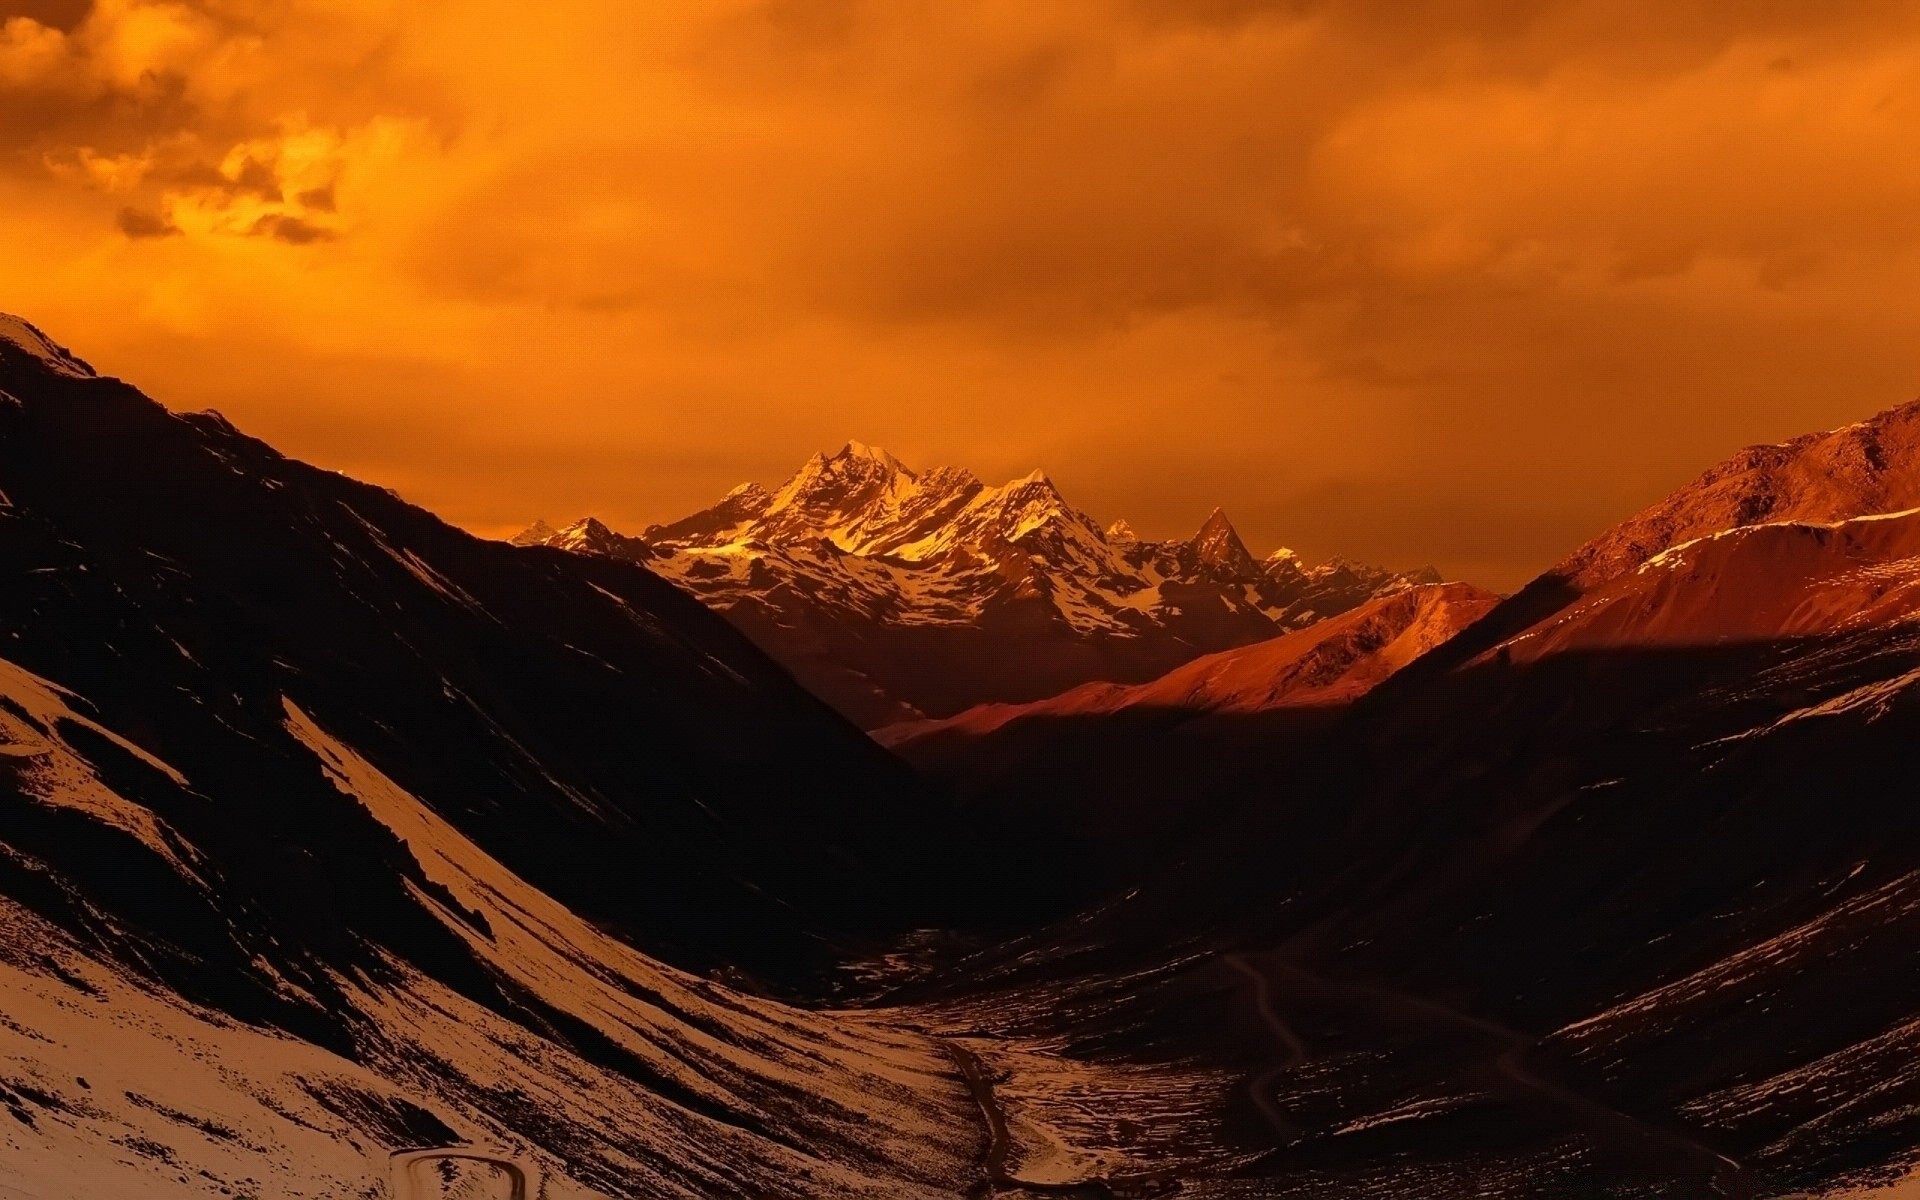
x,y
898,594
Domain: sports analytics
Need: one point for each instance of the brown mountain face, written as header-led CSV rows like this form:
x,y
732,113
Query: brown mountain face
x,y
1121,772
1748,584
1870,467
898,594
1812,536
1333,661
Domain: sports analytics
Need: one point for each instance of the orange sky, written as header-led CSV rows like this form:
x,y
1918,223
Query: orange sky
x,y
1412,281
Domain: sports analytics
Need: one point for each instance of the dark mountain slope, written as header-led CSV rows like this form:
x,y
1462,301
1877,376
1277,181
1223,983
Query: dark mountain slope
x,y
587,723
293,780
1618,901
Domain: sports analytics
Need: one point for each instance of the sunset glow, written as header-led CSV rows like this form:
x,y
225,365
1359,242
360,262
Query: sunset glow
x,y
1448,282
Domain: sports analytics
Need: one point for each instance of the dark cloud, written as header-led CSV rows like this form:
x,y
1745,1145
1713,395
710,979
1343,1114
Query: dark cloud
x,y
318,199
64,15
292,230
138,223
256,177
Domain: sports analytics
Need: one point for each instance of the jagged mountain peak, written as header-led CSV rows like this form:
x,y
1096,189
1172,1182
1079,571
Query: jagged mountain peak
x,y
537,534
856,545
1217,549
856,449
948,479
588,535
853,465
1036,487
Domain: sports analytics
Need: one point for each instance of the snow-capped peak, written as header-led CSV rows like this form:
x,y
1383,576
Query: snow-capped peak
x,y
859,545
22,337
588,534
537,534
859,449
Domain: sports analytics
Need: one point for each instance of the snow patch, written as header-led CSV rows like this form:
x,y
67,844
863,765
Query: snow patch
x,y
23,336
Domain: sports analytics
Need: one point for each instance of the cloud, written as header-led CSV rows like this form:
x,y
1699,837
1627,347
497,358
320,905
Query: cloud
x,y
291,230
57,14
1507,268
136,223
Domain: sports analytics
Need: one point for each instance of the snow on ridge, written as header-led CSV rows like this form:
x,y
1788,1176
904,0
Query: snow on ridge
x,y
1672,553
23,335
857,531
724,1047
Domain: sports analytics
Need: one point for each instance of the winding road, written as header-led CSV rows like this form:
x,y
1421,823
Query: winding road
x,y
1260,1087
410,1171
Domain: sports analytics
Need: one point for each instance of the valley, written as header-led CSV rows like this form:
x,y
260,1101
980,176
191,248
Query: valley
x,y
345,853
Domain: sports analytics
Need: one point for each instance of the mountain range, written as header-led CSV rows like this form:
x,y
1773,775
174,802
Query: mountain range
x,y
343,853
898,594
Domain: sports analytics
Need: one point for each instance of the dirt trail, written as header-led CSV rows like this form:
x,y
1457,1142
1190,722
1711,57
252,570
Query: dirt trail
x,y
410,1169
979,1080
1609,1126
1260,1087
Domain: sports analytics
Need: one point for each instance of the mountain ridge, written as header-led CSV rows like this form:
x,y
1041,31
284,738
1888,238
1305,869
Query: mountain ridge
x,y
897,594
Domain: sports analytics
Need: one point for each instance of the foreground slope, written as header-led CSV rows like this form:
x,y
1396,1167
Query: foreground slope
x,y
897,594
330,838
177,1022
